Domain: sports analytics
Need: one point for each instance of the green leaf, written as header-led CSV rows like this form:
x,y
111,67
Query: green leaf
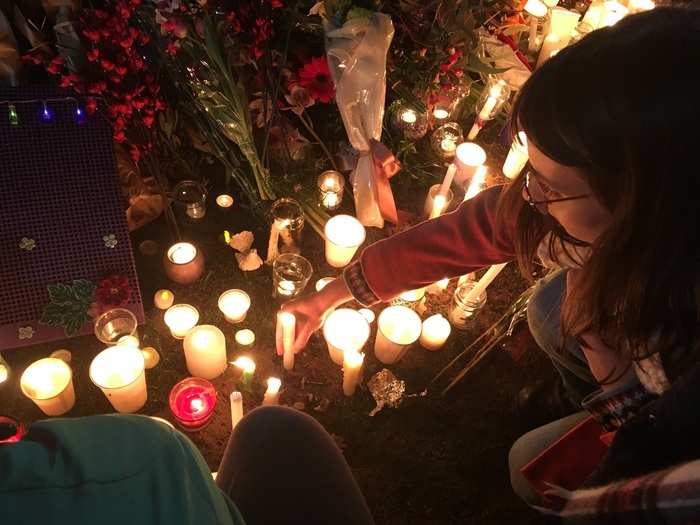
x,y
83,290
72,325
60,293
52,315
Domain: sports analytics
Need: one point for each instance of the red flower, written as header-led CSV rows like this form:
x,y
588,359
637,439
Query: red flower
x,y
93,54
65,82
91,105
92,34
119,136
114,291
171,48
106,64
135,153
121,70
316,77
148,121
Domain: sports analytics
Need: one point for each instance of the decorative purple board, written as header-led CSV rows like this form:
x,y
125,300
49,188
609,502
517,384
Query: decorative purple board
x,y
66,254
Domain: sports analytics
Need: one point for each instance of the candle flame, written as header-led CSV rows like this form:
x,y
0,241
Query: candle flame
x,y
352,359
227,236
477,184
273,385
441,114
245,363
196,405
409,116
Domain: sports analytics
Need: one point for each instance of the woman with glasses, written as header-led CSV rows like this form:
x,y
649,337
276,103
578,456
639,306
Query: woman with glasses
x,y
612,196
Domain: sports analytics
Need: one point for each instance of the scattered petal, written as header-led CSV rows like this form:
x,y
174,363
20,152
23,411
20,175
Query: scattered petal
x,y
249,261
242,241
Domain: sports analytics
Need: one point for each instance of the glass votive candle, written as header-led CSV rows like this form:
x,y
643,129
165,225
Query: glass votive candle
x,y
192,403
461,311
290,275
289,215
205,351
345,330
330,189
191,195
119,371
517,157
468,158
234,304
398,327
183,263
163,299
408,121
224,201
11,430
344,235
115,324
495,94
446,138
430,202
436,329
48,383
181,318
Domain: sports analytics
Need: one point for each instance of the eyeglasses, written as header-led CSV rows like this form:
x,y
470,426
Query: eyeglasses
x,y
542,204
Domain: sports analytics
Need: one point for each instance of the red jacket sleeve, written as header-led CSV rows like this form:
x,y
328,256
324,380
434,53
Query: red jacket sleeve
x,y
453,244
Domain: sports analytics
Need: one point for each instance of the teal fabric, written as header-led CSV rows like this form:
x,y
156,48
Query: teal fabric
x,y
111,469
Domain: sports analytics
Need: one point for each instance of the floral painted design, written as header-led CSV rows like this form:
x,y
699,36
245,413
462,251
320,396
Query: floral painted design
x,y
25,332
113,292
27,244
70,305
110,240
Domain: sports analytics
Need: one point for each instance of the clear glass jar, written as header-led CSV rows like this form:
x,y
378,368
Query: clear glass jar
x,y
330,189
446,138
463,308
289,215
410,122
192,196
290,275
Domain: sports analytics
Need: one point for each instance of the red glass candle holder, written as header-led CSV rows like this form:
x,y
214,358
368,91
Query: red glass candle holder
x,y
192,402
11,430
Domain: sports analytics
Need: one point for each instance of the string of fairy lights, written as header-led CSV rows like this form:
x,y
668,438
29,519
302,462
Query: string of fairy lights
x,y
45,111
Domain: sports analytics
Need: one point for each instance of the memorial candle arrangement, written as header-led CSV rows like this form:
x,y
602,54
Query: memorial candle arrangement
x,y
290,275
48,383
411,123
345,330
192,402
496,93
119,372
398,328
446,138
183,263
205,351
180,319
272,394
344,235
330,189
234,304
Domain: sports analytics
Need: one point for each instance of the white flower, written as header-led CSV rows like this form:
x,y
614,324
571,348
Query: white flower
x,y
25,332
27,244
110,240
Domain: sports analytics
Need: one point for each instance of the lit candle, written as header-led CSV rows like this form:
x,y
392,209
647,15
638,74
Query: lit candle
x,y
440,114
286,325
330,187
205,351
234,304
447,180
436,329
448,146
344,235
498,93
163,299
181,318
637,6
367,314
286,288
551,45
484,282
224,201
413,296
595,14
536,9
247,366
151,357
183,263
439,205
517,156
119,372
129,340
613,12
49,383
323,282
4,370
398,328
409,116
245,337
477,184
236,399
272,394
352,371
468,158
192,402
345,330
562,23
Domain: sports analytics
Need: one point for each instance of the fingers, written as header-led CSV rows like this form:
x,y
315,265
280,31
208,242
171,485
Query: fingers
x,y
303,334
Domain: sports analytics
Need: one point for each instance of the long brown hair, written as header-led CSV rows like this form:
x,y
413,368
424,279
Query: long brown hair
x,y
622,105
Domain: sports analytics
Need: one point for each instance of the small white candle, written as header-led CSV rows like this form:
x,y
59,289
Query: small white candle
x,y
398,328
286,324
447,180
119,372
345,330
409,116
234,304
245,337
181,318
517,156
440,113
323,282
448,146
183,263
272,394
247,366
182,253
468,158
412,296
286,288
205,351
330,200
344,235
4,372
436,329
151,357
236,399
224,201
163,299
536,9
48,383
477,184
352,371
551,45
367,314
484,282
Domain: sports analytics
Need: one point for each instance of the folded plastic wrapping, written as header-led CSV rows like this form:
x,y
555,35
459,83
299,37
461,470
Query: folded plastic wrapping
x,y
357,61
504,57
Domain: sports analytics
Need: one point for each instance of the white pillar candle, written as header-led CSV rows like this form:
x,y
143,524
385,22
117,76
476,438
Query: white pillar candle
x,y
439,204
323,282
367,314
484,282
551,45
447,180
163,299
234,304
477,184
272,394
119,372
224,201
205,351
517,156
435,331
468,158
344,235
536,9
398,328
245,338
181,318
352,371
345,330
286,326
595,14
236,399
562,23
49,383
183,263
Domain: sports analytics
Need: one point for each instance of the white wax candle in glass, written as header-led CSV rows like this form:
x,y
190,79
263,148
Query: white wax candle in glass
x,y
436,329
330,187
234,304
181,318
119,372
398,328
48,383
224,201
163,299
345,329
409,116
517,156
352,371
286,325
205,351
496,93
440,114
272,394
183,263
247,366
344,235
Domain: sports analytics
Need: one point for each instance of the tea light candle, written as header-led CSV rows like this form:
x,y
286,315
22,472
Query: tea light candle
x,y
517,156
119,372
286,288
192,402
49,383
245,337
398,328
352,371
181,318
436,329
330,186
409,116
224,201
367,314
468,158
234,304
536,9
247,366
448,146
272,394
163,299
345,330
344,235
286,324
323,282
183,263
236,399
440,114
151,357
205,351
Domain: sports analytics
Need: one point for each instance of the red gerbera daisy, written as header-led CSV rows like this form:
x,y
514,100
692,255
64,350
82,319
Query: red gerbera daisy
x,y
316,77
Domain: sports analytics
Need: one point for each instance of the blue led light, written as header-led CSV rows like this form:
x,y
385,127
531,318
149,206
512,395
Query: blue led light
x,y
46,113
